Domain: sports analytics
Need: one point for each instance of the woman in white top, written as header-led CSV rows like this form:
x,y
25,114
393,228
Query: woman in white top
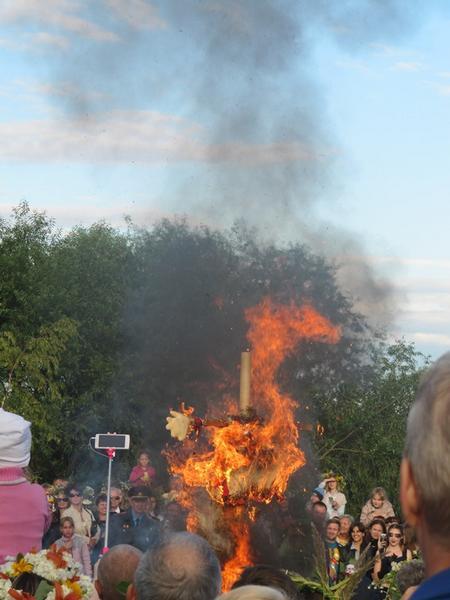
x,y
334,499
83,519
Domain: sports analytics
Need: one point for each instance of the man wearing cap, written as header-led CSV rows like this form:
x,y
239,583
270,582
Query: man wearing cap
x,y
24,515
134,526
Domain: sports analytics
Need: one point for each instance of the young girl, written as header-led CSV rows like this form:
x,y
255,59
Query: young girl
x,y
377,506
74,544
143,473
334,499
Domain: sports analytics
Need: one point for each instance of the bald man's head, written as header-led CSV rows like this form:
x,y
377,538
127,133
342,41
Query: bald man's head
x,y
119,564
181,566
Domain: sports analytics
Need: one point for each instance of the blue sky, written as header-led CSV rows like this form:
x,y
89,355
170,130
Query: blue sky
x,y
326,126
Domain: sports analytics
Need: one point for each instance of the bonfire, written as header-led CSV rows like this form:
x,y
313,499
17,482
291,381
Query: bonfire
x,y
251,453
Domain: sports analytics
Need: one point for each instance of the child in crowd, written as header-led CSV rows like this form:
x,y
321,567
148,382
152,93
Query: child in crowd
x,y
143,473
74,544
378,506
334,499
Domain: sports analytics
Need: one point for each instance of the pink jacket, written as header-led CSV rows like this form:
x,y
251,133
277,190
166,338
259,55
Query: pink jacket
x,y
138,472
80,552
24,515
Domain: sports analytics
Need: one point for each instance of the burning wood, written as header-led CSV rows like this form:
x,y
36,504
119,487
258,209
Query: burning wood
x,y
250,456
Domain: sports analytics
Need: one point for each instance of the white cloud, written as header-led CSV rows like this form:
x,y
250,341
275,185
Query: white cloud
x,y
409,66
137,13
436,339
394,52
412,262
43,38
443,90
133,136
352,64
61,14
62,90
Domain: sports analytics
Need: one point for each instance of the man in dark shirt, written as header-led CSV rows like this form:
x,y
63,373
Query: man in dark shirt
x,y
134,526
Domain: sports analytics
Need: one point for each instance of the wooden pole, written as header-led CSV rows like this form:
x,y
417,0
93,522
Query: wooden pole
x,y
244,396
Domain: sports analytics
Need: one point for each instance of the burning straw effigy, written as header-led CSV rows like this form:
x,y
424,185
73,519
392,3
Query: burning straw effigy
x,y
232,465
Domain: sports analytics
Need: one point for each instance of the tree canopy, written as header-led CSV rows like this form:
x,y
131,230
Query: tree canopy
x,y
105,329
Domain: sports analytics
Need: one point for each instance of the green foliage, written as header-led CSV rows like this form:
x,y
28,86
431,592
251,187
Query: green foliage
x,y
343,589
105,330
32,386
364,424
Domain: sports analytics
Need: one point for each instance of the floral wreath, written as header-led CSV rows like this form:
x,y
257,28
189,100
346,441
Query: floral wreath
x,y
340,481
61,577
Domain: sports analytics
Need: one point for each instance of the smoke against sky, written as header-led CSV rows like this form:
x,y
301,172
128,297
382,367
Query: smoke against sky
x,y
215,106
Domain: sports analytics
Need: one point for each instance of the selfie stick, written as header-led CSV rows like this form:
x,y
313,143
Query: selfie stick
x,y
109,443
111,454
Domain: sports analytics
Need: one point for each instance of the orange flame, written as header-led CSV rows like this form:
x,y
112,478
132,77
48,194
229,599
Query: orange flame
x,y
250,460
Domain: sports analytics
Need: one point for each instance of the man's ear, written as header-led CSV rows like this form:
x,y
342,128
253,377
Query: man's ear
x,y
98,587
131,592
409,495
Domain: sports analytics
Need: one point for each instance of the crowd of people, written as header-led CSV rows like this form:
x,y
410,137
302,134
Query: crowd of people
x,y
136,515
155,557
376,535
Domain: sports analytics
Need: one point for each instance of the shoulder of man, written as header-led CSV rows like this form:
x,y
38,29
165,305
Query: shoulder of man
x,y
147,521
124,519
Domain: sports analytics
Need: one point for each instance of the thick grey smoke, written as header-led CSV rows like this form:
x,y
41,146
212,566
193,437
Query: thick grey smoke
x,y
241,72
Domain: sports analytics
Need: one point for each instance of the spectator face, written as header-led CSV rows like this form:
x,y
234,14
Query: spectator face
x,y
332,531
60,483
50,499
144,460
331,485
377,501
62,501
314,498
75,498
101,507
152,504
172,511
394,537
116,498
67,529
357,535
345,525
319,514
139,505
375,531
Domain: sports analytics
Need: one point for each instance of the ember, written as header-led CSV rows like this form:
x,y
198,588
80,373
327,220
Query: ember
x,y
250,457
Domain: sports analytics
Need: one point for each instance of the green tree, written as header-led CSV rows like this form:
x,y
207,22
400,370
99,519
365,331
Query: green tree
x,y
364,424
33,386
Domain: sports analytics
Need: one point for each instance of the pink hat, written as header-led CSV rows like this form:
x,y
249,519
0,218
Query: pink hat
x,y
15,440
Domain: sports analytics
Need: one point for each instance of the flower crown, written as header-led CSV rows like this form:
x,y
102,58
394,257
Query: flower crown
x,y
61,577
339,479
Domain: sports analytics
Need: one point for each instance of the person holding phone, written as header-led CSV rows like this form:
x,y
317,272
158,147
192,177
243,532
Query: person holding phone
x,y
390,550
334,499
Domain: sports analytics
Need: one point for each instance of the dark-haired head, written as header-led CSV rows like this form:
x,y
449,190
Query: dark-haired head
x,y
267,575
